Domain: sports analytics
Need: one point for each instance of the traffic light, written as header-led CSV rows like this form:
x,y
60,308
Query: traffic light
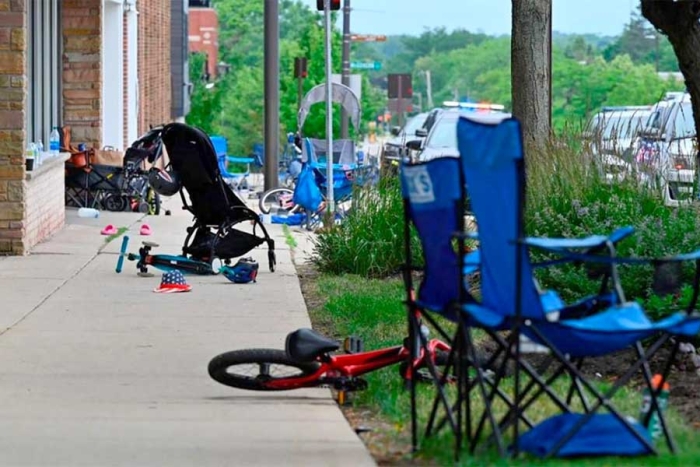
x,y
335,5
400,86
300,67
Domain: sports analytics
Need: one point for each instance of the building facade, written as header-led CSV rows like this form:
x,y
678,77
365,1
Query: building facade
x,y
100,67
204,34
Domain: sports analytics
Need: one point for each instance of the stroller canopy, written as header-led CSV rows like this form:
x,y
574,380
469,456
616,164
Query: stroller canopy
x,y
315,151
340,94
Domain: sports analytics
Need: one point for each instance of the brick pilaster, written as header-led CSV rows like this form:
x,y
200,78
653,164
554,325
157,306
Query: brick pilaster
x,y
82,70
154,63
12,116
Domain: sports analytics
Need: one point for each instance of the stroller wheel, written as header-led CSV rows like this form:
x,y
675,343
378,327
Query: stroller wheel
x,y
115,203
216,265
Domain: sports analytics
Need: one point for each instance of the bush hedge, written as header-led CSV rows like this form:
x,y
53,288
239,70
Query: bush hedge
x,y
567,197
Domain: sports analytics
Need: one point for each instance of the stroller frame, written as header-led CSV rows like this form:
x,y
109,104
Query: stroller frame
x,y
213,234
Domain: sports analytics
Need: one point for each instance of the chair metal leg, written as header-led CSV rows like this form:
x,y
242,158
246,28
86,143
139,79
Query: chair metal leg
x,y
480,379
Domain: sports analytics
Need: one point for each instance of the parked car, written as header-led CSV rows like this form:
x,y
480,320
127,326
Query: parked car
x,y
666,148
611,136
441,140
395,149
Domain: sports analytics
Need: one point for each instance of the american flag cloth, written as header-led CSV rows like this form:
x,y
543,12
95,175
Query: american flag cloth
x,y
173,282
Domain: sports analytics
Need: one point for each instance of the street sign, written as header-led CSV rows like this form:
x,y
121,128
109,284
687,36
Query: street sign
x,y
366,65
368,37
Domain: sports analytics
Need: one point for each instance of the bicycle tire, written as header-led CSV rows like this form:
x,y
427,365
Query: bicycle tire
x,y
154,202
219,365
274,191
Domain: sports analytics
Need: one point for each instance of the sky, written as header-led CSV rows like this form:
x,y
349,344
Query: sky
x,y
606,17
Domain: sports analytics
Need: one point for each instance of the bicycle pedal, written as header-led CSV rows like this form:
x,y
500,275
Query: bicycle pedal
x,y
145,274
342,397
353,344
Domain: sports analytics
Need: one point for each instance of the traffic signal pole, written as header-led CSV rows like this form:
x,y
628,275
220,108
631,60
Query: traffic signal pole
x,y
345,77
272,94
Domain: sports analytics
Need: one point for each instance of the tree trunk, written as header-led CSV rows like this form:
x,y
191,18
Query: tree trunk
x,y
530,69
679,21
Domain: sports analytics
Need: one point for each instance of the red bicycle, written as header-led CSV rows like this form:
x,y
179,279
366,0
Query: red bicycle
x,y
308,361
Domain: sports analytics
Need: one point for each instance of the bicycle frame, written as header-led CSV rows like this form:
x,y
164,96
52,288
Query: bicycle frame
x,y
338,368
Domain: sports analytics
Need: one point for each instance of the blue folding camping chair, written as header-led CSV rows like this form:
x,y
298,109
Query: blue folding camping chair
x,y
434,204
235,180
493,165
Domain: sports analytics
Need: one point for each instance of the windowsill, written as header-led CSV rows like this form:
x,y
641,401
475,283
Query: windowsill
x,y
48,166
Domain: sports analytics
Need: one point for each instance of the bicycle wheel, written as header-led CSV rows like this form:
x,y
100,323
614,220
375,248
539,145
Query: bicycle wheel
x,y
256,369
276,198
154,202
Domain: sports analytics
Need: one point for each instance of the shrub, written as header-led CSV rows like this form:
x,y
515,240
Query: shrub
x,y
568,197
370,242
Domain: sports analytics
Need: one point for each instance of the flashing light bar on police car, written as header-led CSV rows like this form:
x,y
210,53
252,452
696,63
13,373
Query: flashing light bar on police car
x,y
474,106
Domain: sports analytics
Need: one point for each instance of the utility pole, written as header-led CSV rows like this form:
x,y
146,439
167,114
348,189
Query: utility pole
x,y
329,112
272,93
345,77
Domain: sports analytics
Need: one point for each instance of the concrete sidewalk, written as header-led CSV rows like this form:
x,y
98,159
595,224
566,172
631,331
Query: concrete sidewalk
x,y
97,370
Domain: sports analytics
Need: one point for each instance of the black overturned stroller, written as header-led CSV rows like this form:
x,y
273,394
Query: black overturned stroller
x,y
216,209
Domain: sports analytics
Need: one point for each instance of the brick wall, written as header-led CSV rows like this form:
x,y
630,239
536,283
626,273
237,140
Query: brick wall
x,y
12,134
82,70
154,63
45,211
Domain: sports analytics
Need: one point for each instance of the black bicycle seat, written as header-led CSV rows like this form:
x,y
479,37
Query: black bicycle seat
x,y
306,345
151,244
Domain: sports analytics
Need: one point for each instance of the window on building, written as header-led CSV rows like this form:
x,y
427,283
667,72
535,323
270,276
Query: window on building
x,y
43,70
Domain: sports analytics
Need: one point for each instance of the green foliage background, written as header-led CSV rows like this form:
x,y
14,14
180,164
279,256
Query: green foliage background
x,y
589,71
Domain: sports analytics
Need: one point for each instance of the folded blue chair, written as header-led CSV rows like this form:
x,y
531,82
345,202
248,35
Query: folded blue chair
x,y
493,166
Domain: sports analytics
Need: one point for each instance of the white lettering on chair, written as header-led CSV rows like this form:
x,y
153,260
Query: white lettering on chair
x,y
420,185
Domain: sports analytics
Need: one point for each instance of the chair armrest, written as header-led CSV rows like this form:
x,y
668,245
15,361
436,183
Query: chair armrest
x,y
591,242
472,262
466,235
240,160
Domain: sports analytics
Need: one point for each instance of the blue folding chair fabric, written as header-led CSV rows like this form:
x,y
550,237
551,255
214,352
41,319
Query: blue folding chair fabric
x,y
493,165
307,193
432,191
220,145
492,162
603,434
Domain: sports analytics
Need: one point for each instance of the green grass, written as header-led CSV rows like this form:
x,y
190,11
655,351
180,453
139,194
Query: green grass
x,y
120,232
289,237
373,310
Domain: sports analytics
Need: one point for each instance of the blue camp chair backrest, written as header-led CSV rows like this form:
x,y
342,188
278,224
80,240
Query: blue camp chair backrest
x,y
220,145
491,153
431,193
